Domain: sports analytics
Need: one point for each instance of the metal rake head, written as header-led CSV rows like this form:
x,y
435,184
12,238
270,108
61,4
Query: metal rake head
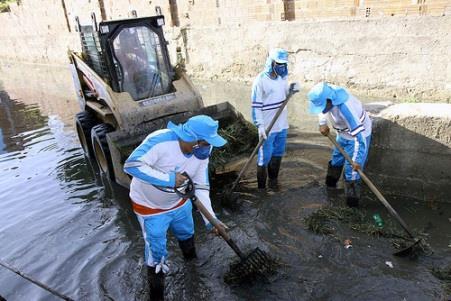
x,y
257,264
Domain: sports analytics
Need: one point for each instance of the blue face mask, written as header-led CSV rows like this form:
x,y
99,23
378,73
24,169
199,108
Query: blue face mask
x,y
328,107
202,152
281,69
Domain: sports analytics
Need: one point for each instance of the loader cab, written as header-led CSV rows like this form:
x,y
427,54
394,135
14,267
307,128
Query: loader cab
x,y
131,55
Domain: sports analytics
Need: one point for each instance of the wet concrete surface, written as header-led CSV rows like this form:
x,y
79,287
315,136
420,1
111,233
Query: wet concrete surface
x,y
63,225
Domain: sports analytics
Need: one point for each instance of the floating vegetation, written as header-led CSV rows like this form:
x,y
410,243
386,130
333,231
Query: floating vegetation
x,y
325,221
445,276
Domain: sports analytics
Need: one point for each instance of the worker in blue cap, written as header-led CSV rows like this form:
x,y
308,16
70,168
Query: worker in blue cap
x,y
158,164
347,116
269,91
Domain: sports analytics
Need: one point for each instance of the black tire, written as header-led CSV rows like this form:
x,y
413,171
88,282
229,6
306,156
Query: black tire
x,y
84,122
101,150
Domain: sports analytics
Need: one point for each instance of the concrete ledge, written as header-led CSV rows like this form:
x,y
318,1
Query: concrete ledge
x,y
411,151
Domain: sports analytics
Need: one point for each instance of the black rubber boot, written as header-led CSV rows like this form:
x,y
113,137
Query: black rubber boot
x,y
188,248
261,176
156,284
273,172
333,175
352,193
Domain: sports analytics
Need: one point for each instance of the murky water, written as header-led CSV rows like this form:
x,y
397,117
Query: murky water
x,y
66,227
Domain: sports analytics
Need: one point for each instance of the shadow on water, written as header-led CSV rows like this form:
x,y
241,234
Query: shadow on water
x,y
67,227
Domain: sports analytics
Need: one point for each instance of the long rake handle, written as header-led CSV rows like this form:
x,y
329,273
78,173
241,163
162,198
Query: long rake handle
x,y
216,224
373,189
260,142
36,282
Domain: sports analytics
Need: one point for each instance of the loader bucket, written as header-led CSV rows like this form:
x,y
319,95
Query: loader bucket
x,y
227,159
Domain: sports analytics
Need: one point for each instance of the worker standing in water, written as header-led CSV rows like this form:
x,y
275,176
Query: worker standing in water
x,y
347,116
158,164
269,91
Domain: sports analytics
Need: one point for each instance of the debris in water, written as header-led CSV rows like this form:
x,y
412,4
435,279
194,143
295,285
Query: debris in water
x,y
347,243
325,221
320,256
378,220
389,264
444,275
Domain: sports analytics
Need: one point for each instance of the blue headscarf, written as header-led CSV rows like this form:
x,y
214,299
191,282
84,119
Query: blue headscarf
x,y
319,94
278,55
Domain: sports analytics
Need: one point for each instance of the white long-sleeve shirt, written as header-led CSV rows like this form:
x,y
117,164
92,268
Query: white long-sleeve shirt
x,y
351,122
267,96
155,162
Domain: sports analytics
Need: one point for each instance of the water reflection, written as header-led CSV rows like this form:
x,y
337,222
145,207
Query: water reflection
x,y
57,222
16,118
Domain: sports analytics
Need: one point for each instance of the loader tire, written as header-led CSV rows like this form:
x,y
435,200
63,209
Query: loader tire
x,y
101,150
84,122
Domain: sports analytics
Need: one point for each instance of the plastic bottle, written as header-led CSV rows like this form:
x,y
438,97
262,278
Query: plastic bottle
x,y
378,220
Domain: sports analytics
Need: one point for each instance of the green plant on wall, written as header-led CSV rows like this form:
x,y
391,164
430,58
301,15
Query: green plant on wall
x,y
4,5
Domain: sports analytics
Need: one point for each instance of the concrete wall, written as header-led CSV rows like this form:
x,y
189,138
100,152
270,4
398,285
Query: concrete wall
x,y
400,57
411,151
404,57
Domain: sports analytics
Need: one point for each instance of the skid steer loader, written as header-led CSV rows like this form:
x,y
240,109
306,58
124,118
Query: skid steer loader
x,y
127,88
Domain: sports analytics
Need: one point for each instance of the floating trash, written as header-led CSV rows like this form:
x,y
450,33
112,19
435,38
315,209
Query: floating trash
x,y
325,221
378,220
347,243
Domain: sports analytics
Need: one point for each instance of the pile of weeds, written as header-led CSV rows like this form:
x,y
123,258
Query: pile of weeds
x,y
445,276
325,221
4,5
241,138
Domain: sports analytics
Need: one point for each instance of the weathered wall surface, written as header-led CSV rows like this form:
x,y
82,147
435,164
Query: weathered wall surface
x,y
400,57
35,31
406,57
43,31
411,151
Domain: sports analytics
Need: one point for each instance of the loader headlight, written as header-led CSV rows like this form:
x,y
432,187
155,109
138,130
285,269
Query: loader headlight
x,y
104,29
160,21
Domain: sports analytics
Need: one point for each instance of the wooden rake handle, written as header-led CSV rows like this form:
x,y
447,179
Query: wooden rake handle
x,y
218,226
373,188
260,142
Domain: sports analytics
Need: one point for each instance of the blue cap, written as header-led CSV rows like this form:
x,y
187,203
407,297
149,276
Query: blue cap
x,y
319,94
279,55
200,127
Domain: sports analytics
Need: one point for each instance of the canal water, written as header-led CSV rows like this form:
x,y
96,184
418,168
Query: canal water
x,y
63,225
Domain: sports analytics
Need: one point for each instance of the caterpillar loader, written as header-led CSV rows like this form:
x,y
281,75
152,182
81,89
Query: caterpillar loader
x,y
127,88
